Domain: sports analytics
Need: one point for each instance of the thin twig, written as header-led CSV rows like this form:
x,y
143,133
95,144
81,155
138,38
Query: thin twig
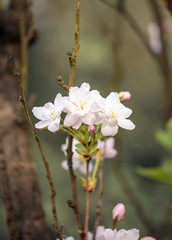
x,y
163,61
119,7
100,198
73,56
87,201
74,203
72,61
49,177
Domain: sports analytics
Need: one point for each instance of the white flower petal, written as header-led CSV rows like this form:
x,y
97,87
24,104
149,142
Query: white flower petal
x,y
54,126
109,130
89,118
99,231
108,233
132,234
113,98
43,124
59,103
90,236
75,164
126,124
125,112
85,87
70,120
40,113
64,164
68,106
49,106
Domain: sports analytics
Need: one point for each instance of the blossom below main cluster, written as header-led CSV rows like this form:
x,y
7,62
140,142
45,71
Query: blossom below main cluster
x,y
85,106
109,234
78,162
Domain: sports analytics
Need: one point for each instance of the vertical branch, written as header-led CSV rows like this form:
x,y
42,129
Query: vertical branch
x,y
74,203
163,61
100,198
46,164
120,8
87,201
72,61
73,55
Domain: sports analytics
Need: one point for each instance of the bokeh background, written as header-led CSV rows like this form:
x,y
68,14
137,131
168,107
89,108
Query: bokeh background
x,y
129,67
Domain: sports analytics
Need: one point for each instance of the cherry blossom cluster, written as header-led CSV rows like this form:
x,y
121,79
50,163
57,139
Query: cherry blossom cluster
x,y
109,234
105,150
83,106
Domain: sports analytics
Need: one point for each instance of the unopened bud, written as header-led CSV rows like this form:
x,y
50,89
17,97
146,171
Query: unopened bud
x,y
124,95
91,129
118,211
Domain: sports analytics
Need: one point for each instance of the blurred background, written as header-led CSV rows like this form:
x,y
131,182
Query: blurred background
x,y
111,58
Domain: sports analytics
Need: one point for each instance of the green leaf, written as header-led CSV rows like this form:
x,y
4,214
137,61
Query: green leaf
x,y
162,173
99,136
165,139
169,126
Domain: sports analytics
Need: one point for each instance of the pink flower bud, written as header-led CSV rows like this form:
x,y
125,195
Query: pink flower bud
x,y
91,129
148,238
118,211
124,95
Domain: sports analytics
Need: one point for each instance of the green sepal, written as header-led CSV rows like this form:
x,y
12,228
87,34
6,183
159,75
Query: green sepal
x,y
82,181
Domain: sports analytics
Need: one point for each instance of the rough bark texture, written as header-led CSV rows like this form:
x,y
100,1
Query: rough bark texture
x,y
18,185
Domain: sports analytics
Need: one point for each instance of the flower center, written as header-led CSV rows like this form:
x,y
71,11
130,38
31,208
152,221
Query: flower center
x,y
82,104
53,114
114,115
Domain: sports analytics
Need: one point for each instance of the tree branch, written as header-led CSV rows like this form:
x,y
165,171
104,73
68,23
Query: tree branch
x,y
100,198
46,164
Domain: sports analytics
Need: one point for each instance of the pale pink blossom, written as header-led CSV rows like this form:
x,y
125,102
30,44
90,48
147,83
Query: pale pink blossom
x,y
148,238
106,148
78,161
109,234
80,106
124,95
49,114
66,238
99,232
112,114
118,211
154,38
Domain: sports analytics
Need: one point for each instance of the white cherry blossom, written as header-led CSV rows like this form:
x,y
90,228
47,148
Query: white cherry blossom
x,y
80,106
106,148
112,115
49,114
99,232
78,162
109,234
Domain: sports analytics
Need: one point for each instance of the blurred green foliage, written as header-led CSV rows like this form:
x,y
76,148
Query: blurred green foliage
x,y
162,173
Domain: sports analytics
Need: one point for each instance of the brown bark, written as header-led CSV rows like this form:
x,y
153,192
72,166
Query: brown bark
x,y
18,185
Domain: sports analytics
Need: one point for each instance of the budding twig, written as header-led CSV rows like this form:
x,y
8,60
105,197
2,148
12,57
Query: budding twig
x,y
87,201
46,164
100,198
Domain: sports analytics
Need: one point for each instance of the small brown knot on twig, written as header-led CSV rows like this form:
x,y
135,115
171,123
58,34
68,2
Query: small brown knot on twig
x,y
71,203
71,59
62,83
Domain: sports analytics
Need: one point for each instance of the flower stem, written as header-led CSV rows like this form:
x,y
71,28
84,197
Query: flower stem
x,y
100,198
96,166
87,202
